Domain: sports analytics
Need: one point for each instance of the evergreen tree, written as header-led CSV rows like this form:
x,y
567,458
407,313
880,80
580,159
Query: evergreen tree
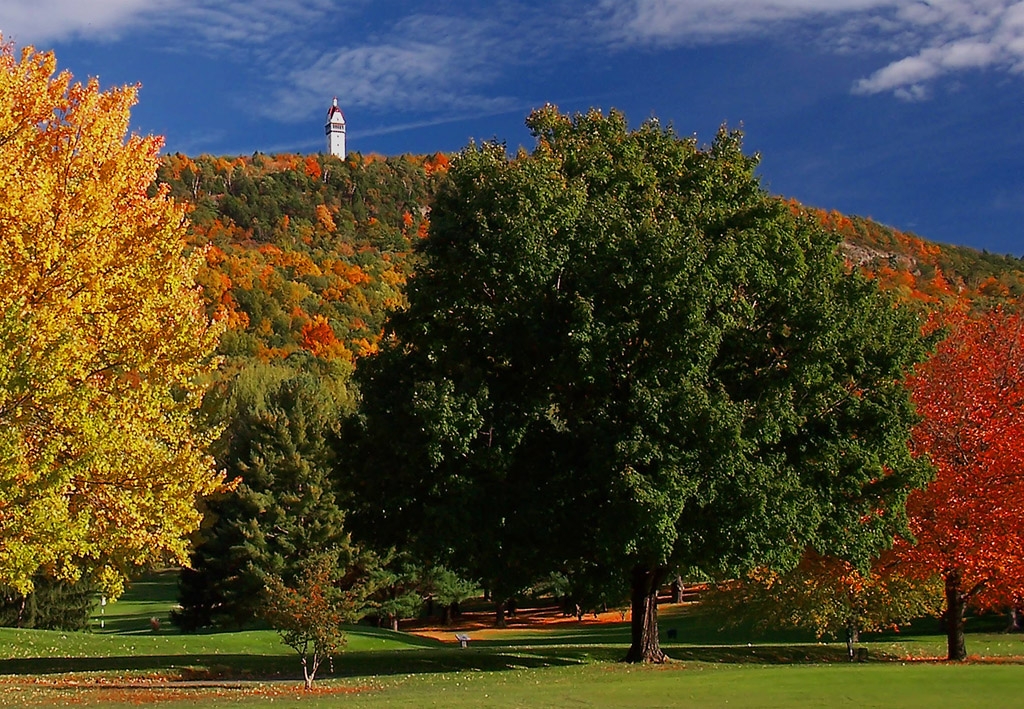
x,y
284,511
53,604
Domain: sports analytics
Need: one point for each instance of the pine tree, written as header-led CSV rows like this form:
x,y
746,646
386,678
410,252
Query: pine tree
x,y
284,510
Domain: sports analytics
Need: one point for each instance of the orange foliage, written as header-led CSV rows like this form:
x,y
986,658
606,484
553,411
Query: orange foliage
x,y
214,256
230,315
993,288
366,348
283,162
331,262
896,279
969,522
325,219
356,276
300,263
318,337
439,163
312,167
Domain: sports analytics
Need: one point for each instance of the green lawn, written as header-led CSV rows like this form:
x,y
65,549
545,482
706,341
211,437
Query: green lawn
x,y
126,664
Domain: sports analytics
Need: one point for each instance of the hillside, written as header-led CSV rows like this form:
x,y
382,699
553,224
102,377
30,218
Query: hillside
x,y
925,271
307,253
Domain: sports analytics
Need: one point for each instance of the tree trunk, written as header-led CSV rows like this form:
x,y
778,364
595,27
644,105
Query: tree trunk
x,y
956,607
394,623
677,589
309,670
852,636
499,614
645,646
1014,625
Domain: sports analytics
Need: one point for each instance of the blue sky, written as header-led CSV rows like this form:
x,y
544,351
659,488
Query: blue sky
x,y
906,111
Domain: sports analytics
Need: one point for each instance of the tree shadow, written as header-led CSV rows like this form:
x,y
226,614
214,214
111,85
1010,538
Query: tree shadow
x,y
286,666
236,665
767,654
480,657
425,655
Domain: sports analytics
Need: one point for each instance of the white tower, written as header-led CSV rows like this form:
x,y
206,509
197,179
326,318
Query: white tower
x,y
335,130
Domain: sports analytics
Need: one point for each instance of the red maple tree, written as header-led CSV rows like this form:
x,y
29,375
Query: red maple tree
x,y
969,522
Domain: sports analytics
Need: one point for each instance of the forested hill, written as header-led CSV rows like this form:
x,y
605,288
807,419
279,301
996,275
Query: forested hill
x,y
306,252
309,252
922,270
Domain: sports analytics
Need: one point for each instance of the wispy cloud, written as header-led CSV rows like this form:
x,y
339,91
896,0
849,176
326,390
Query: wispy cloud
x,y
950,38
714,21
424,62
457,56
930,39
41,21
213,24
419,62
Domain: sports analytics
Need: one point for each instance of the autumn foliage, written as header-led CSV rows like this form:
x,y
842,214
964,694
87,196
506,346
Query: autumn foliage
x,y
103,338
930,275
305,253
827,595
969,522
309,613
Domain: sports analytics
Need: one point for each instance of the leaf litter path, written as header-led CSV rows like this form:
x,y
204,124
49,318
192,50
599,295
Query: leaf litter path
x,y
101,691
481,623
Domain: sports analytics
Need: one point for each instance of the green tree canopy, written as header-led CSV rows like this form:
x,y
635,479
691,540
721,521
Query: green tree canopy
x,y
621,355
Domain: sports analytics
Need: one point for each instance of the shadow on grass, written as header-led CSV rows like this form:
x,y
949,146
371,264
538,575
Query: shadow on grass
x,y
215,665
347,664
686,636
480,657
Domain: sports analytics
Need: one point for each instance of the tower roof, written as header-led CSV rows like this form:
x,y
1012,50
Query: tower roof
x,y
333,111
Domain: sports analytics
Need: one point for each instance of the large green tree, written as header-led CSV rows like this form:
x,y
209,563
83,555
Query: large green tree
x,y
620,356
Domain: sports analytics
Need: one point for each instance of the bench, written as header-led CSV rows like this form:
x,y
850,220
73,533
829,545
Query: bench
x,y
463,639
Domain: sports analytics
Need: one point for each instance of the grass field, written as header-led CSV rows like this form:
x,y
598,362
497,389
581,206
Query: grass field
x,y
125,663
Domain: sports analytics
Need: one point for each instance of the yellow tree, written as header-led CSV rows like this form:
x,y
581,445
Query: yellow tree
x,y
104,345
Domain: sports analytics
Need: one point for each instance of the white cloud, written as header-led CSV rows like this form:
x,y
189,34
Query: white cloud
x,y
951,37
931,62
453,62
935,37
421,62
219,22
42,21
371,76
417,61
712,21
249,24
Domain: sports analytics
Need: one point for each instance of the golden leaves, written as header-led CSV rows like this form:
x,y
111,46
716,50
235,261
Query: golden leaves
x,y
105,339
